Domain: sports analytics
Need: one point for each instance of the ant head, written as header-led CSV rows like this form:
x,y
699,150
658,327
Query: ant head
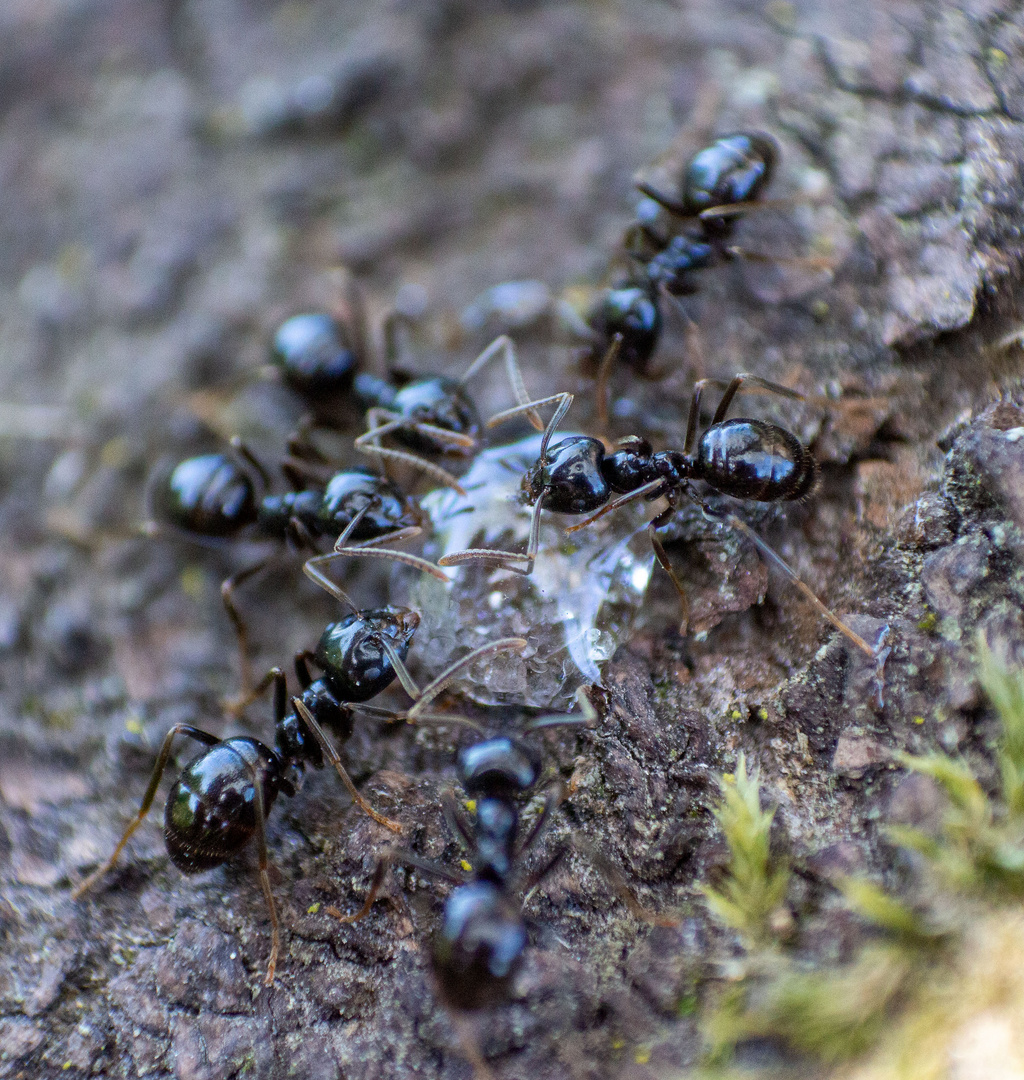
x,y
315,354
439,402
386,507
211,495
356,665
499,766
569,477
479,947
631,311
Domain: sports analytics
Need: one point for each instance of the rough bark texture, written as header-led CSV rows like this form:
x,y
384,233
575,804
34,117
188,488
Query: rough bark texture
x,y
175,176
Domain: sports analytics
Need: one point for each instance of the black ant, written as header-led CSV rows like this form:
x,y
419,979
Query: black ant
x,y
718,183
746,459
434,415
222,496
624,324
321,357
478,949
222,798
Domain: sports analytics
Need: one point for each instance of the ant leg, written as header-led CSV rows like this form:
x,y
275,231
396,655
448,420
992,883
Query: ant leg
x,y
673,206
574,322
468,1031
335,759
564,400
354,315
394,537
407,858
534,881
603,375
556,796
311,568
457,822
802,262
384,453
694,418
262,863
243,451
779,563
422,698
300,536
437,719
754,380
301,662
401,423
585,717
147,800
375,883
645,491
617,881
662,556
504,346
227,595
299,443
341,545
741,209
276,676
496,555
723,406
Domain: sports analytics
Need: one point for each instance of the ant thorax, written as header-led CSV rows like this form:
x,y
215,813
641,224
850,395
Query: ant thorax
x,y
575,608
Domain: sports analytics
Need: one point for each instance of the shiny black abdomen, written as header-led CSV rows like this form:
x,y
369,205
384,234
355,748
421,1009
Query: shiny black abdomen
x,y
210,495
756,460
479,947
734,169
211,810
355,665
314,354
570,476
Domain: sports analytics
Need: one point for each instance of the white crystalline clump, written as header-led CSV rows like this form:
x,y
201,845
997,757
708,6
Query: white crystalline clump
x,y
574,610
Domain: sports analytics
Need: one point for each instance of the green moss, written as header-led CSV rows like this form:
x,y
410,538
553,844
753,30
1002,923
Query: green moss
x,y
944,979
754,886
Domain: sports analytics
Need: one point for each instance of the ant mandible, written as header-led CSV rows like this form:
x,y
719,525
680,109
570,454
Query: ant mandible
x,y
221,799
746,459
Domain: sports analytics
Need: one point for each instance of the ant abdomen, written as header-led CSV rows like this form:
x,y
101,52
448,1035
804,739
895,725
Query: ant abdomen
x,y
211,495
315,355
755,460
211,811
